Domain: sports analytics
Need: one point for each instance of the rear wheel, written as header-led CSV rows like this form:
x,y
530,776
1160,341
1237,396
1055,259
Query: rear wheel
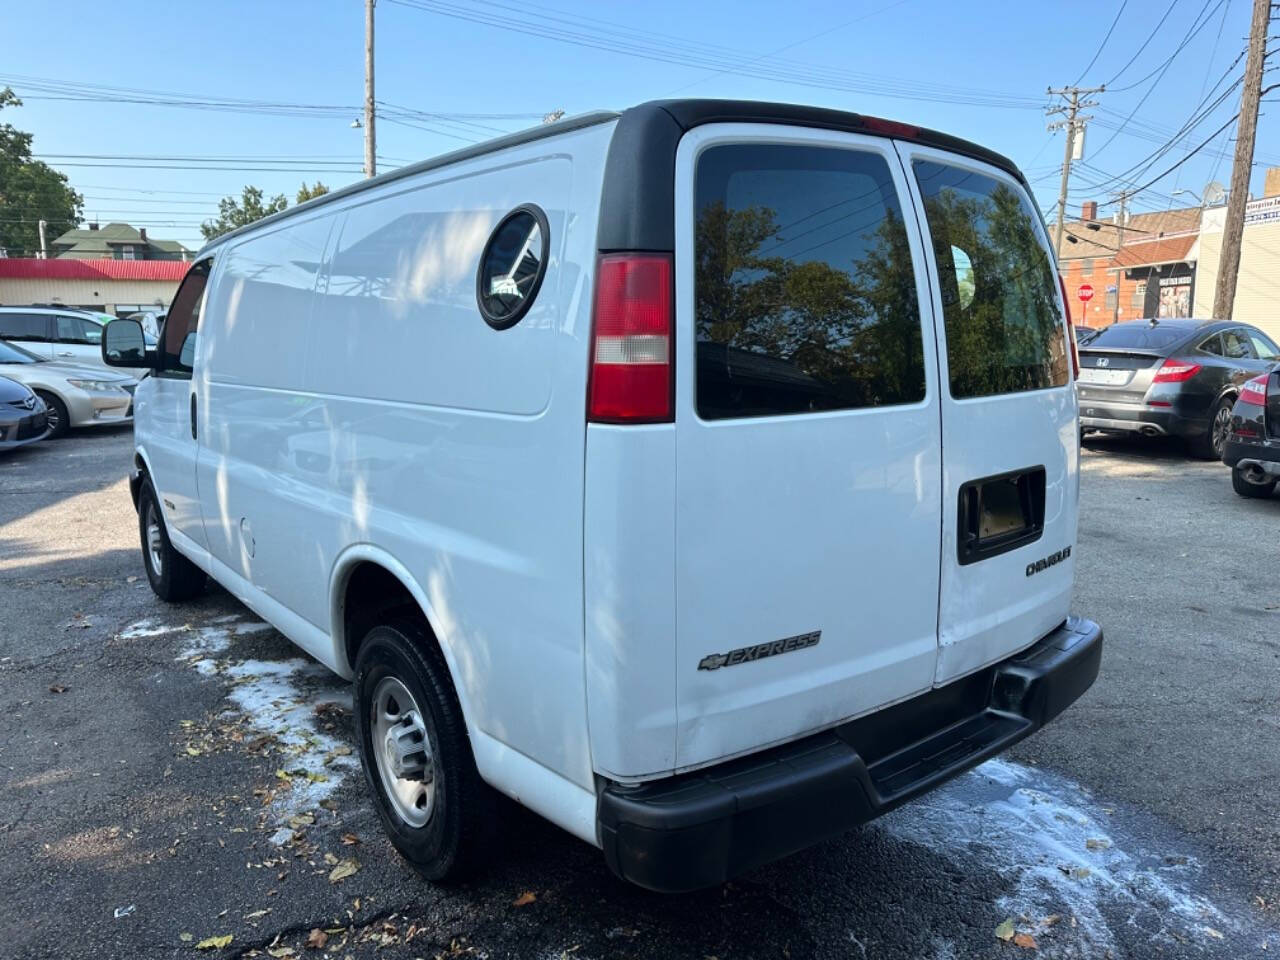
x,y
59,420
1214,441
1241,484
172,576
416,753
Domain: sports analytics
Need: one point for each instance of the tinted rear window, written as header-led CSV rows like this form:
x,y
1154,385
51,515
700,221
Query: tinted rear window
x,y
1141,336
1000,299
805,293
24,326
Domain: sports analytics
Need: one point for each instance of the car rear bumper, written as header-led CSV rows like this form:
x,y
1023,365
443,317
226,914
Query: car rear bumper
x,y
699,829
1265,456
1138,418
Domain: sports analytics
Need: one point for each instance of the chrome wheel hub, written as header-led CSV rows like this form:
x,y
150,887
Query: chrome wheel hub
x,y
402,752
1221,427
155,541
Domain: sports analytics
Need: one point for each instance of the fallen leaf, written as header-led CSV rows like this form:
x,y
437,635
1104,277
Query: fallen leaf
x,y
185,937
281,951
302,820
334,931
58,688
350,839
256,914
524,899
317,938
192,752
1024,940
343,870
1216,934
1096,844
214,943
1005,931
1051,919
330,859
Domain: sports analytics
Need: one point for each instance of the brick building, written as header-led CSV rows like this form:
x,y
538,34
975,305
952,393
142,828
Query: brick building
x,y
1145,269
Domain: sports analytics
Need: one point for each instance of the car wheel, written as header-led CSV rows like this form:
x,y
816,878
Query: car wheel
x,y
172,576
417,756
1241,485
59,419
1214,441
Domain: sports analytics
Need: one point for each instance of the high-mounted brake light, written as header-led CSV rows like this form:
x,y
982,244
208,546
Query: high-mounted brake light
x,y
1175,371
631,340
891,128
1071,330
1255,391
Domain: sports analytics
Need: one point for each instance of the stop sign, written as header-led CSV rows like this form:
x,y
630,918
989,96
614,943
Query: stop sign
x,y
1085,293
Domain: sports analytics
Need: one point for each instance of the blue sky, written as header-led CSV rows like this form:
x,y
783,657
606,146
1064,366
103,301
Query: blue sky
x,y
976,70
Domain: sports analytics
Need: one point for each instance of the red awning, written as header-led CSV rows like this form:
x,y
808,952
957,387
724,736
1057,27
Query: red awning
x,y
14,268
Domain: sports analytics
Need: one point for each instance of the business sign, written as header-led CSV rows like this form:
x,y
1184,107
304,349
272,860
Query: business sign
x,y
1266,210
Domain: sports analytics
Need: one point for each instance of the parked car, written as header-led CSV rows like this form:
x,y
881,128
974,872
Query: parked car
x,y
22,416
75,396
151,321
1170,377
616,494
68,335
1252,450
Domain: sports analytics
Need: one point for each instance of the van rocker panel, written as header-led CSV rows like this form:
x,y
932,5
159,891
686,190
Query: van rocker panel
x,y
701,829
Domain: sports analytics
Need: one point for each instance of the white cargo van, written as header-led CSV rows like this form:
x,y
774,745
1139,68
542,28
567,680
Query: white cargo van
x,y
704,476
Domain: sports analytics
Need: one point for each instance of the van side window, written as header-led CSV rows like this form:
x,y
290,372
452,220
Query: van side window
x,y
805,296
24,326
178,343
1000,304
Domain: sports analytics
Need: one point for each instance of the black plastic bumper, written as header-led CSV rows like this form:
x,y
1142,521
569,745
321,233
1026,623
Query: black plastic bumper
x,y
701,828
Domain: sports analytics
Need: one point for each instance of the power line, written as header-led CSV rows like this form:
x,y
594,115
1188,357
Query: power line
x,y
1190,154
1151,36
1102,46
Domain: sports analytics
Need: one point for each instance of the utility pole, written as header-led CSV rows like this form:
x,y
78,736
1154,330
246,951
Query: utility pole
x,y
1072,121
1122,199
370,138
1224,295
44,246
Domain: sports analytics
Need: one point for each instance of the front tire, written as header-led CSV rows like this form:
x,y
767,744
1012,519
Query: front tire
x,y
59,418
173,577
417,756
1246,489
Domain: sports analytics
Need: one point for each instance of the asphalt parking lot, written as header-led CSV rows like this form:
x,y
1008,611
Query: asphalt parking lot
x,y
173,775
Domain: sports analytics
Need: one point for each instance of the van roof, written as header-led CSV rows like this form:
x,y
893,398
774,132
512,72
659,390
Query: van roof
x,y
641,159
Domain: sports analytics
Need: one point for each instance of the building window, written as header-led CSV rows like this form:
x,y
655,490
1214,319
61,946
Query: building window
x,y
1139,295
1111,299
126,252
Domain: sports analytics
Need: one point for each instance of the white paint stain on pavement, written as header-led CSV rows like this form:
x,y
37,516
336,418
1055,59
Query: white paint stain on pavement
x,y
278,698
1063,857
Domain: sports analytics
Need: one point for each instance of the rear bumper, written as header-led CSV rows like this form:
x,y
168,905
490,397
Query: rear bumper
x,y
1265,456
1139,418
701,828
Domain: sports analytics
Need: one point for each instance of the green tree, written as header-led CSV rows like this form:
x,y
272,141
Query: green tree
x,y
306,193
234,213
30,191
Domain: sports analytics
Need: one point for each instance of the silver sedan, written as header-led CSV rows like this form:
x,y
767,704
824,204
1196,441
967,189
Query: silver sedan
x,y
77,396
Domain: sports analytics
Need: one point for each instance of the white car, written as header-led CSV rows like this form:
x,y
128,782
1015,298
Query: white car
x,y
60,334
704,476
76,396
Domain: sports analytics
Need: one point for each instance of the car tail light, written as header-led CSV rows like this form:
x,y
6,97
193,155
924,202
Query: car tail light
x,y
1255,391
631,340
1071,329
891,128
1175,371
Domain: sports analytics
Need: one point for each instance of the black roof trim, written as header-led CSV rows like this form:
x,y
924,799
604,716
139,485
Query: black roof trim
x,y
566,125
637,208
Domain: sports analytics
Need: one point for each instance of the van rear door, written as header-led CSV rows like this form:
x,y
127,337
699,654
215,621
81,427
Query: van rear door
x,y
808,457
1010,433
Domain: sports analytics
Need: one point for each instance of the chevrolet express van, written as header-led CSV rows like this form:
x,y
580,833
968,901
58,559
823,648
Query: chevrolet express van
x,y
704,477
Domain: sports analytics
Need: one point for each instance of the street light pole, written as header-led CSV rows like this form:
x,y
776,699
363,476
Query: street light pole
x,y
370,138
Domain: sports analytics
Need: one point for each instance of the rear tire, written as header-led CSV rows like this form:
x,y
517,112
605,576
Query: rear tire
x,y
1246,489
417,756
173,577
59,419
1211,445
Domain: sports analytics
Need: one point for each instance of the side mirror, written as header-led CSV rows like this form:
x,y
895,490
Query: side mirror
x,y
123,345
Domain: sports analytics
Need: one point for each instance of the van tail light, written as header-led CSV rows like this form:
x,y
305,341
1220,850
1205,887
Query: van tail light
x,y
1071,330
1175,371
630,379
1255,391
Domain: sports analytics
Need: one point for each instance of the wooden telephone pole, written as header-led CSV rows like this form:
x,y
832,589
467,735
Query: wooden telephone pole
x,y
1246,129
1073,122
370,137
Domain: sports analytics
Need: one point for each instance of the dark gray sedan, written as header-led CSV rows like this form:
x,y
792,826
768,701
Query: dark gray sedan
x,y
1170,377
23,418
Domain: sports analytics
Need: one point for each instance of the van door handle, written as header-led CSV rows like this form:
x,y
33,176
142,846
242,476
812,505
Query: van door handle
x,y
193,416
66,353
